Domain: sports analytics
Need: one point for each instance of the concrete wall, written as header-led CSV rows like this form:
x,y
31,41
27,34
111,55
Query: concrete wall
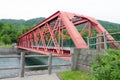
x,y
82,58
8,50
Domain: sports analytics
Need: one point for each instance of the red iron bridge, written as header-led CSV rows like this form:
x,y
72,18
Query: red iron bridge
x,y
49,36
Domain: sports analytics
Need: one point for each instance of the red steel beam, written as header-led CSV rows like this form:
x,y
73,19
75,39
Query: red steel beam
x,y
57,22
75,35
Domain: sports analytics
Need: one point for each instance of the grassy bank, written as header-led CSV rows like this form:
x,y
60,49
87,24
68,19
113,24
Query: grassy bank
x,y
6,46
74,75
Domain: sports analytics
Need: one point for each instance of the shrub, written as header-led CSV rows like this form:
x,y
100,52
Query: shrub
x,y
106,66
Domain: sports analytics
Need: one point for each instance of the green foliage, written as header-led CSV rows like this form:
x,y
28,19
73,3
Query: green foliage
x,y
107,66
34,21
8,34
18,23
13,22
1,43
10,29
1,25
22,30
6,39
74,75
109,25
5,46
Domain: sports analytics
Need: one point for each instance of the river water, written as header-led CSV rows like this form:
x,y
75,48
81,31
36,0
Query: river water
x,y
8,63
15,62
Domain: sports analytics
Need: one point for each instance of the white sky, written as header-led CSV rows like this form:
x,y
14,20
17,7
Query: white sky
x,y
108,10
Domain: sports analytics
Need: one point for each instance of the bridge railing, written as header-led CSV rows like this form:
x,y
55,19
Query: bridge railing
x,y
23,66
100,41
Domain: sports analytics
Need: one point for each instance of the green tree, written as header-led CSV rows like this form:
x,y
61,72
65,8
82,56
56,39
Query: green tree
x,y
1,25
6,39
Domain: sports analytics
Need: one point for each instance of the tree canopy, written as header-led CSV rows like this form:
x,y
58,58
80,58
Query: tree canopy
x,y
10,29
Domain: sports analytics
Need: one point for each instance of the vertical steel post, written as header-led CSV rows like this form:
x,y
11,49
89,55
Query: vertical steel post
x,y
50,63
22,60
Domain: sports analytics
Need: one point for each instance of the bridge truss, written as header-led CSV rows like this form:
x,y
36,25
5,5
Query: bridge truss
x,y
54,29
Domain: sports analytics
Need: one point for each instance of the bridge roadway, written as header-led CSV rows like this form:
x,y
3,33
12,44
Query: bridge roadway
x,y
36,49
52,47
36,77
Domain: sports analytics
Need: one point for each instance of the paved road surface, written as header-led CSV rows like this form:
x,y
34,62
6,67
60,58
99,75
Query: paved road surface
x,y
36,77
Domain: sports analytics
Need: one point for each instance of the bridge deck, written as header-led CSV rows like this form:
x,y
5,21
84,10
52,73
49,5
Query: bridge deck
x,y
51,47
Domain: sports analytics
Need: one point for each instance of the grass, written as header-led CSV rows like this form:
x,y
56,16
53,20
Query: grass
x,y
74,75
6,46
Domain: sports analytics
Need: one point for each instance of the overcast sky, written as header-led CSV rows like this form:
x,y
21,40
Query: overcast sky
x,y
108,10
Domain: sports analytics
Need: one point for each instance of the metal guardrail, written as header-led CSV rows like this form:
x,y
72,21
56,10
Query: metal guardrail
x,y
22,61
104,42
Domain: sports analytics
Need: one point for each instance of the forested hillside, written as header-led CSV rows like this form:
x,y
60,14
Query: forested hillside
x,y
18,23
10,29
111,27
